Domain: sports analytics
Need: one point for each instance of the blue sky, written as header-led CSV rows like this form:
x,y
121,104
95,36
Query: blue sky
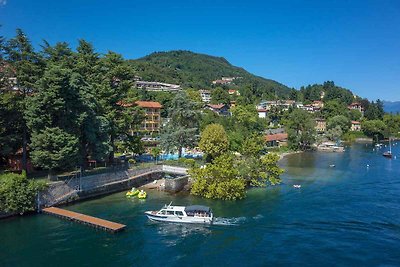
x,y
355,43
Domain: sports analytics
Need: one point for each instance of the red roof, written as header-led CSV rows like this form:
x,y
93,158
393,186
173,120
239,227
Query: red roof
x,y
148,104
276,137
355,122
261,110
216,106
355,104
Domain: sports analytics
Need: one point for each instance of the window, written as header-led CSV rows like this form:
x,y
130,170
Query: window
x,y
179,213
170,212
163,212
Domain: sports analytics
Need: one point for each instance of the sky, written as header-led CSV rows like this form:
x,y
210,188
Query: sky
x,y
354,43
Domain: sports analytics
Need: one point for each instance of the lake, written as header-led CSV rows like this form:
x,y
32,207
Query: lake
x,y
346,215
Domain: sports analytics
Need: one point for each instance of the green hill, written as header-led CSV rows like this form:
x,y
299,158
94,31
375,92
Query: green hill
x,y
193,70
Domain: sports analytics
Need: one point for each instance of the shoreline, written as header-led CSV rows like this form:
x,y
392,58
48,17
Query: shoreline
x,y
283,155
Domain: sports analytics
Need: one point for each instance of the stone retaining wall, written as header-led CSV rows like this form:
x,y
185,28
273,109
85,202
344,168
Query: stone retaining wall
x,y
101,184
177,184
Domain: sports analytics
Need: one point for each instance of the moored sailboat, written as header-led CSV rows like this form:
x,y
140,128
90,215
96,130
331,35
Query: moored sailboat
x,y
388,154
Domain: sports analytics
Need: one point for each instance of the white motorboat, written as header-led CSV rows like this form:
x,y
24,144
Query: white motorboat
x,y
182,214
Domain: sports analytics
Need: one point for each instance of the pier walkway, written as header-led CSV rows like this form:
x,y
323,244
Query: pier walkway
x,y
85,219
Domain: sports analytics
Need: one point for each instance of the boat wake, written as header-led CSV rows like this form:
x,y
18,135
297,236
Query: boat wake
x,y
229,221
235,221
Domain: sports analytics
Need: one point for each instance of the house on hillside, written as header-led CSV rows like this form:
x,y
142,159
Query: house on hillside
x,y
220,109
205,95
262,113
318,104
356,106
320,125
355,126
157,86
152,122
233,92
279,139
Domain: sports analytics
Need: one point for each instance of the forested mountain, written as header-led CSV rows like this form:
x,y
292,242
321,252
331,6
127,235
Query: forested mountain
x,y
391,107
193,70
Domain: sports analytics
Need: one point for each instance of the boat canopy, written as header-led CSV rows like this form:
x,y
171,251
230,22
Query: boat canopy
x,y
198,208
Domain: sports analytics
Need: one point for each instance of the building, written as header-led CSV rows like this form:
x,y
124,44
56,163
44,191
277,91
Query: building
x,y
282,104
279,139
274,131
320,126
262,113
205,95
355,126
225,80
220,109
356,106
318,104
233,92
157,86
152,122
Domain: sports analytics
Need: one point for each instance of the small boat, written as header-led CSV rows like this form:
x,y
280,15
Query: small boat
x,y
332,165
379,145
142,194
182,214
388,154
133,192
297,185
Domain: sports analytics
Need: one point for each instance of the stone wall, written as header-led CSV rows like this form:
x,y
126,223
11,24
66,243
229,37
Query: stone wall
x,y
176,185
79,188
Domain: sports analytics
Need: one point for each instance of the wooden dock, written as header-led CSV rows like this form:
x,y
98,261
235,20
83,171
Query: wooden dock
x,y
85,219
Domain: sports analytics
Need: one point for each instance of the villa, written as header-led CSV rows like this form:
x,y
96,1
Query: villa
x,y
220,109
205,95
320,126
152,121
279,139
355,126
157,86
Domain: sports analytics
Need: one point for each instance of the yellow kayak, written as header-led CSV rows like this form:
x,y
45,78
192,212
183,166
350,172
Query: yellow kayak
x,y
142,195
132,193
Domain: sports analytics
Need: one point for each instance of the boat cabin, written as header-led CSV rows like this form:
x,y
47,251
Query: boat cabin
x,y
193,211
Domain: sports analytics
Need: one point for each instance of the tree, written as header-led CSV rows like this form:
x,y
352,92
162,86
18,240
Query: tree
x,y
301,129
54,149
340,121
355,114
334,133
253,145
181,130
220,96
193,95
374,111
393,123
115,80
27,67
219,180
155,152
374,128
18,193
260,170
334,108
214,141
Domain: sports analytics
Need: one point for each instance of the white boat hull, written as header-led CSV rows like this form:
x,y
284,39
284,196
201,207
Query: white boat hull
x,y
178,219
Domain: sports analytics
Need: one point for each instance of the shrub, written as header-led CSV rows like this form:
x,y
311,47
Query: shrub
x,y
18,193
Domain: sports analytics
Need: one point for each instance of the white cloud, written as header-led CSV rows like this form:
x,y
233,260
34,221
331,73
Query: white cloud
x,y
3,2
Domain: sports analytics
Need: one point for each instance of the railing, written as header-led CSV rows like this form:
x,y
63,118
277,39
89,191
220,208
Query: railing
x,y
62,190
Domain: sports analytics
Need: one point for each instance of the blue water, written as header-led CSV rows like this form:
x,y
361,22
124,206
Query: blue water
x,y
342,216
